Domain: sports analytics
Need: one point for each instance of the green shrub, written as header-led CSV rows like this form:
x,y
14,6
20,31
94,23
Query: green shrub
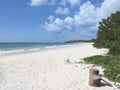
x,y
111,65
108,35
115,49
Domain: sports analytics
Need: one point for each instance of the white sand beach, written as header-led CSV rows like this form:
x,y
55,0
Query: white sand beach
x,y
48,70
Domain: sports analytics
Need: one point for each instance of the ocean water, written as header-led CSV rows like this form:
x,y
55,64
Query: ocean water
x,y
17,48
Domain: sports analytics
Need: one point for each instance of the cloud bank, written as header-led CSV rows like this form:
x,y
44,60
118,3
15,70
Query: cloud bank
x,y
86,19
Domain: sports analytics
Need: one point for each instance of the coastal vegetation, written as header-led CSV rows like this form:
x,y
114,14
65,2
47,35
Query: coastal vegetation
x,y
108,36
75,41
110,63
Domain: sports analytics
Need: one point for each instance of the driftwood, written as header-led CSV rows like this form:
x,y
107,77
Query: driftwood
x,y
116,78
106,82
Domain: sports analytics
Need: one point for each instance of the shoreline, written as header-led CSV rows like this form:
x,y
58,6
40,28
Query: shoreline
x,y
38,49
48,70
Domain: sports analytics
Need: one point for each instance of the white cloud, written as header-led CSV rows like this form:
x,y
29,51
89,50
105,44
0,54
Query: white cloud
x,y
57,25
51,18
60,10
69,24
108,7
74,2
71,2
42,2
52,2
86,18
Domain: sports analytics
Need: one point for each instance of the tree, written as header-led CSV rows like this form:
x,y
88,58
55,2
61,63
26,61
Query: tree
x,y
108,35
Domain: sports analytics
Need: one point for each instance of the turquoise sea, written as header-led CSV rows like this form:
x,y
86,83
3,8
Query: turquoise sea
x,y
16,48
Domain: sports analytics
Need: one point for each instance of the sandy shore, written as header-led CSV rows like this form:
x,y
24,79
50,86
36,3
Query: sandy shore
x,y
48,70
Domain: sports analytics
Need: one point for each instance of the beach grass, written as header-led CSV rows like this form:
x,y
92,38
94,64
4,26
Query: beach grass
x,y
110,64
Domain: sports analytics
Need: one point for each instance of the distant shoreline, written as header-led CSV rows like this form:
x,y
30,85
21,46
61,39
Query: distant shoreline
x,y
77,41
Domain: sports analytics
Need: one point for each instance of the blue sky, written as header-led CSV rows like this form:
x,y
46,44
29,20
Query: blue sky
x,y
52,20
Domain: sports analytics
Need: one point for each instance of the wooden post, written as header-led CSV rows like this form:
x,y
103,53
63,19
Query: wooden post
x,y
93,71
94,80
